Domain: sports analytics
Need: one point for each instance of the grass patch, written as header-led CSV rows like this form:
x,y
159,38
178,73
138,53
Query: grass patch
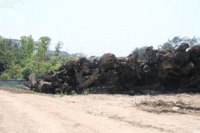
x,y
134,123
116,117
10,87
62,94
180,101
85,92
73,92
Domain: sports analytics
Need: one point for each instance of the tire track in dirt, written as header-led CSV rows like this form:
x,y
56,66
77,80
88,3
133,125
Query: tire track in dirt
x,y
41,113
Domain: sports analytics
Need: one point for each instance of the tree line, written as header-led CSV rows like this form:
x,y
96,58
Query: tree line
x,y
16,62
171,45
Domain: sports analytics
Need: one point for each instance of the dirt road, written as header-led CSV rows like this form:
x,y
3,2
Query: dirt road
x,y
41,113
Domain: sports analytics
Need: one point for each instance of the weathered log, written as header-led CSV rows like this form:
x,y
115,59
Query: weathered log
x,y
107,61
90,80
151,55
44,86
93,63
50,78
146,69
180,58
133,64
64,88
70,65
194,54
182,47
31,81
186,69
82,62
53,77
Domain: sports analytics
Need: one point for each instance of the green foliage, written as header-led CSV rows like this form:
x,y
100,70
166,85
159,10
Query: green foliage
x,y
73,92
5,86
5,76
85,92
180,101
47,65
26,72
61,94
38,66
28,46
64,60
7,54
54,62
22,63
15,71
43,45
177,40
53,68
167,46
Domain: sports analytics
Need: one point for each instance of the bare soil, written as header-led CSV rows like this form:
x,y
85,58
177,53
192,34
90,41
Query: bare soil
x,y
24,112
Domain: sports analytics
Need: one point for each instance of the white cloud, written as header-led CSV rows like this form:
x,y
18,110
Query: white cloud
x,y
14,14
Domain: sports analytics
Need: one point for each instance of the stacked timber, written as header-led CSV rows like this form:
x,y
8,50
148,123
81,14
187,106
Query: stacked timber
x,y
162,70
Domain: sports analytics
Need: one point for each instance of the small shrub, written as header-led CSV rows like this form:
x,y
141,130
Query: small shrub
x,y
85,92
52,68
47,65
5,76
73,92
54,62
61,94
180,101
22,63
26,72
5,86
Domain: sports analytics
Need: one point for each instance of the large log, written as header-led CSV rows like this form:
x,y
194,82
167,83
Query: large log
x,y
187,68
181,57
107,61
89,81
31,81
44,86
151,55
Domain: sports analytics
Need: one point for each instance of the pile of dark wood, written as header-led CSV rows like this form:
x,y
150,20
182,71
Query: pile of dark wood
x,y
163,70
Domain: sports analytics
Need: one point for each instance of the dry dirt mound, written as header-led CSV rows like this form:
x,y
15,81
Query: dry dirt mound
x,y
169,106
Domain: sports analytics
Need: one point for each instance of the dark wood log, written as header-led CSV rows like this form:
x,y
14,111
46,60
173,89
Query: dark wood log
x,y
140,89
82,62
182,47
44,86
107,61
151,55
90,80
93,62
186,69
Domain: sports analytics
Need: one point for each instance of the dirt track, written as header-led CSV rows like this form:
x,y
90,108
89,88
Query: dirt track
x,y
23,112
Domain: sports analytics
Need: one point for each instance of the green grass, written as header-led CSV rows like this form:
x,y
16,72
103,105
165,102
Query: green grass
x,y
73,92
180,101
9,87
85,92
61,94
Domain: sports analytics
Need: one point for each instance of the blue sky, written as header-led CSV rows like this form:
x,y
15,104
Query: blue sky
x,y
95,27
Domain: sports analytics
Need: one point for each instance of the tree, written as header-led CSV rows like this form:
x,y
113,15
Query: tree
x,y
58,47
28,46
167,46
8,54
43,45
176,41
